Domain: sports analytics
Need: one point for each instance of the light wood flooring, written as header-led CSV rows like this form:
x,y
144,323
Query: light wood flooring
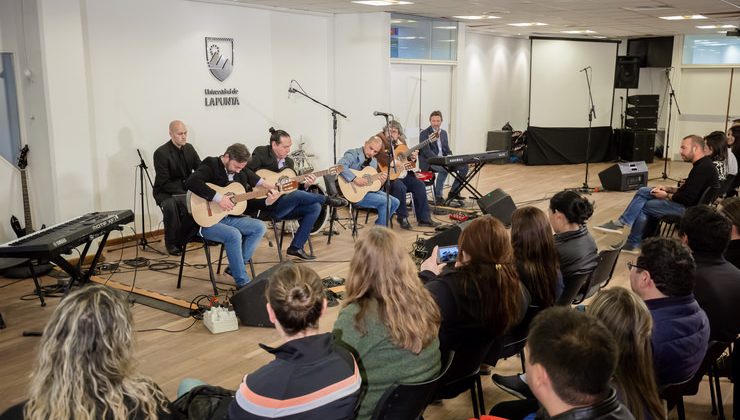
x,y
223,359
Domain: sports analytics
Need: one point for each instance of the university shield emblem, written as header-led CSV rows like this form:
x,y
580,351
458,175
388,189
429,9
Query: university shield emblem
x,y
220,57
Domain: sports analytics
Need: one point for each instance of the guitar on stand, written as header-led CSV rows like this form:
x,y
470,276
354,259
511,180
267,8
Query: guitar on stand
x,y
402,153
22,270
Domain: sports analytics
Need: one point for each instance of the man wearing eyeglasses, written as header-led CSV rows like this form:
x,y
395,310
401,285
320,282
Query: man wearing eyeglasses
x,y
663,276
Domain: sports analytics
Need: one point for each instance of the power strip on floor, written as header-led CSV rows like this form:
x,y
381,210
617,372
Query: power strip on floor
x,y
220,319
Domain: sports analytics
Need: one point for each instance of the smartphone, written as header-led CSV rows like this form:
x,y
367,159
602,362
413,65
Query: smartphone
x,y
447,254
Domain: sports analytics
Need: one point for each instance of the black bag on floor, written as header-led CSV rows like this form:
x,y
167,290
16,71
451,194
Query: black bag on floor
x,y
208,402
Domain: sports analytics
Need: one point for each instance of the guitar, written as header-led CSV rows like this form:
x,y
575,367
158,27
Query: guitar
x,y
288,175
353,192
207,213
14,222
401,163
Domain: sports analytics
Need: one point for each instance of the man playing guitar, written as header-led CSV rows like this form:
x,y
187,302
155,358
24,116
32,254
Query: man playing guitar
x,y
300,205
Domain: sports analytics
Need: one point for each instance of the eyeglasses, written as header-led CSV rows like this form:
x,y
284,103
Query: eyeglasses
x,y
630,266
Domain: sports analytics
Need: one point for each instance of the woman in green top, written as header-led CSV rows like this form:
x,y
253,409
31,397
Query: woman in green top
x,y
389,320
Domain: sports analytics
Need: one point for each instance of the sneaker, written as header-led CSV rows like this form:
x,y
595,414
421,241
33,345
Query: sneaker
x,y
514,385
634,250
610,227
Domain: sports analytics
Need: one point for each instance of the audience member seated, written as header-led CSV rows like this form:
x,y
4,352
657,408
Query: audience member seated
x,y
389,320
662,200
733,134
576,247
717,282
730,207
480,298
627,317
664,278
571,358
85,365
716,148
311,377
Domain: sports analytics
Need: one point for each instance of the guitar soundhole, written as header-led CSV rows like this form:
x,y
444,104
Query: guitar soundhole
x,y
283,180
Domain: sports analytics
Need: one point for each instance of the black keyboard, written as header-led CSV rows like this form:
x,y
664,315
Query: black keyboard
x,y
66,235
484,157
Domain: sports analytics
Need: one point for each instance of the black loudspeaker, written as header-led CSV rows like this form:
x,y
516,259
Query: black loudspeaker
x,y
624,176
650,111
643,100
498,140
249,302
638,145
641,123
627,74
498,204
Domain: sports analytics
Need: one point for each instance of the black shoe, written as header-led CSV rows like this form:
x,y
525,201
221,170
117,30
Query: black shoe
x,y
300,254
336,201
174,251
227,270
428,223
439,200
404,223
514,385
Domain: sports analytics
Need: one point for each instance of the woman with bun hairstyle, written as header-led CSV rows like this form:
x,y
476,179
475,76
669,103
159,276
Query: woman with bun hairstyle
x,y
311,377
576,247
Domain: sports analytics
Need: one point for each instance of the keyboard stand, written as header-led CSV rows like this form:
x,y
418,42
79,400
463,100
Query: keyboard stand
x,y
464,181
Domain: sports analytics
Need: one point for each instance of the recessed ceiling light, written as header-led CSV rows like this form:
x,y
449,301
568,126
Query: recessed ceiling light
x,y
402,21
716,26
381,2
686,17
409,37
528,24
445,40
477,17
445,27
581,31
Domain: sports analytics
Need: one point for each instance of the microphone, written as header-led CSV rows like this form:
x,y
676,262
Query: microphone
x,y
585,68
291,89
384,114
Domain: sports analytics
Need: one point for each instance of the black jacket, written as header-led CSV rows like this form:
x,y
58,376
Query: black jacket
x,y
172,167
263,158
213,170
608,409
703,174
717,289
577,251
732,254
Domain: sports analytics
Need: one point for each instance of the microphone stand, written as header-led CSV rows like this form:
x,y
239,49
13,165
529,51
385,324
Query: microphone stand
x,y
334,114
143,169
591,115
671,96
391,156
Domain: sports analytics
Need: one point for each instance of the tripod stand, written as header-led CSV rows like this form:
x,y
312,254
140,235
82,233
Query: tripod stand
x,y
671,96
142,169
591,115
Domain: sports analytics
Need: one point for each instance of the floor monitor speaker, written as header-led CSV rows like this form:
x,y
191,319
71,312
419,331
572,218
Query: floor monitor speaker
x,y
624,176
249,301
498,204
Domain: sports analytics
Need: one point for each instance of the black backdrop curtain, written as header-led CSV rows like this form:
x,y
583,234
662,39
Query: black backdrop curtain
x,y
556,146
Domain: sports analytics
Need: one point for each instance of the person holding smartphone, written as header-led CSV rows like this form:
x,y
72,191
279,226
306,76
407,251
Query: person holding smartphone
x,y
480,297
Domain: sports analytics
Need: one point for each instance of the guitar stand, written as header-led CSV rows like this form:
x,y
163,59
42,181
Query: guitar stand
x,y
464,182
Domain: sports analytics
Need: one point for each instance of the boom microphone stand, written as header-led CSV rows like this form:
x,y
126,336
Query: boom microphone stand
x,y
591,115
666,141
334,114
143,169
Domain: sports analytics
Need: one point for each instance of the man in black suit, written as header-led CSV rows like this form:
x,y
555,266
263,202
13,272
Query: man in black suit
x,y
174,161
440,147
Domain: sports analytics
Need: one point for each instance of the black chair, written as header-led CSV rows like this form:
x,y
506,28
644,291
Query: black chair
x,y
206,248
601,275
266,216
726,185
408,401
673,393
573,285
463,376
667,225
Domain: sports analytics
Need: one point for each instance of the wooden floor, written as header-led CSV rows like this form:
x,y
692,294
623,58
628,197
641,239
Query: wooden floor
x,y
223,359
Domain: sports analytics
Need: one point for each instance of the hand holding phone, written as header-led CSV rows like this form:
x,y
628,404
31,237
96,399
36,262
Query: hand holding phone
x,y
447,254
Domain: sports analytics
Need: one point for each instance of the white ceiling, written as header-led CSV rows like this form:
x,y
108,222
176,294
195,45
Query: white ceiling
x,y
611,18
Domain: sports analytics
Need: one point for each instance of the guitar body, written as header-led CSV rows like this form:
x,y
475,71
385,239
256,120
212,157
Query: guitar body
x,y
17,228
284,175
353,192
208,213
401,163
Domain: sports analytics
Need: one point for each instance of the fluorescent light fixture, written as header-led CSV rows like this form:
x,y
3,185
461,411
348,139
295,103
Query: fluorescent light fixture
x,y
715,27
408,38
402,21
580,31
381,2
477,17
445,40
687,17
528,24
445,27
599,36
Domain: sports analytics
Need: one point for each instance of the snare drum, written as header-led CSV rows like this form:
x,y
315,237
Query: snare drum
x,y
323,215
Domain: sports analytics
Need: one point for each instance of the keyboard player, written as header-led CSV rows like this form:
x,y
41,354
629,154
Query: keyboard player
x,y
440,147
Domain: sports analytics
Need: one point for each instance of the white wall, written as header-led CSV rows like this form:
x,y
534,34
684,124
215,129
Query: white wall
x,y
492,88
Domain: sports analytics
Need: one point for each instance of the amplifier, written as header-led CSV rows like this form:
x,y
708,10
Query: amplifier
x,y
624,176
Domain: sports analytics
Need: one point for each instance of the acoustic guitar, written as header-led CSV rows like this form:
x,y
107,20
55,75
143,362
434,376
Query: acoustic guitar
x,y
401,154
353,192
207,213
288,175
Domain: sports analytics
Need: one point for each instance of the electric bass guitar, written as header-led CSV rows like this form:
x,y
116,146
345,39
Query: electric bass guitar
x,y
353,192
401,163
207,213
288,175
14,222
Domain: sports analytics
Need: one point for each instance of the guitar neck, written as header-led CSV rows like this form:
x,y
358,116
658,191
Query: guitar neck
x,y
301,178
257,192
26,203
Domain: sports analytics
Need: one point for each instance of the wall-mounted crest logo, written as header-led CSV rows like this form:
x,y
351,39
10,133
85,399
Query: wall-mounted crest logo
x,y
220,57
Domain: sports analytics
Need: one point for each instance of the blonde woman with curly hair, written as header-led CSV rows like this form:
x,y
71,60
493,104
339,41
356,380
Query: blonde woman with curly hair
x,y
389,320
86,369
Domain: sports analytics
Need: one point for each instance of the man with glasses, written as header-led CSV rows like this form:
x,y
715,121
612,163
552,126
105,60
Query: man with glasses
x,y
663,276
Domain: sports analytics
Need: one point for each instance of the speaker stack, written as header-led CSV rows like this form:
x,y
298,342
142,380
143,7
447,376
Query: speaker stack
x,y
638,142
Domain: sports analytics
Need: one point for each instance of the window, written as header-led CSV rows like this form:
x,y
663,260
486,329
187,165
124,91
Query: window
x,y
420,38
10,137
716,49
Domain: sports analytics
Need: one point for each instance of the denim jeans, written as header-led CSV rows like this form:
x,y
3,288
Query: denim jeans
x,y
642,206
411,184
302,206
441,174
376,200
240,236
